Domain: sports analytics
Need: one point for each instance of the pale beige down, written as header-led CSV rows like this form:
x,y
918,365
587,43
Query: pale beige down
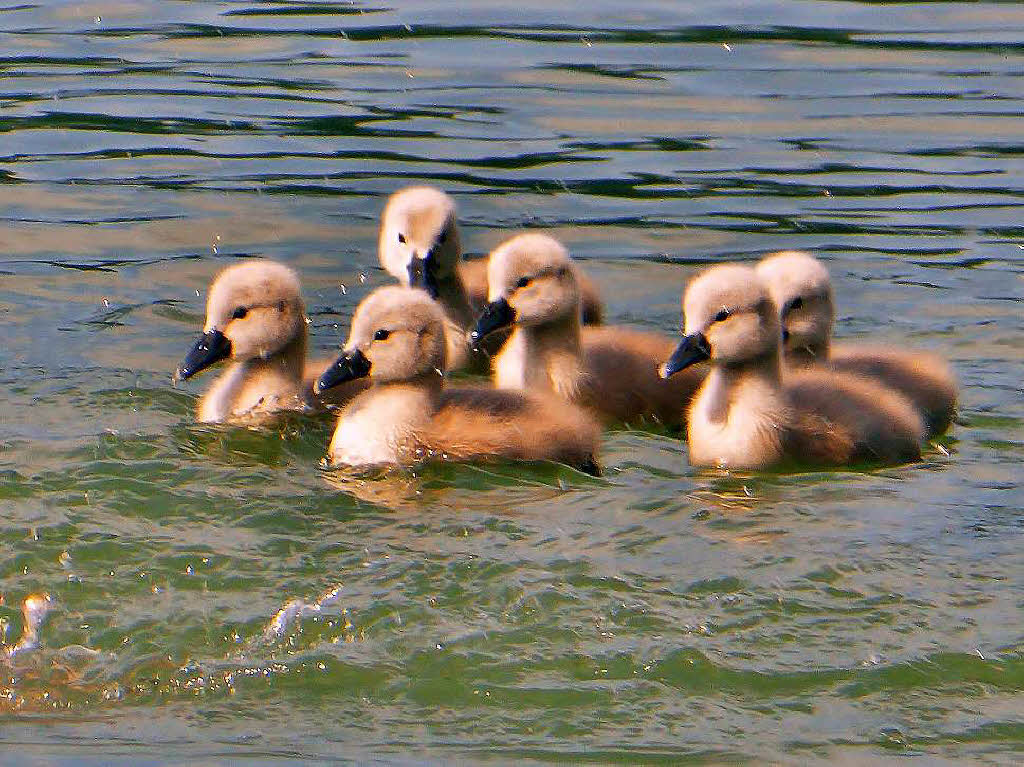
x,y
748,415
612,371
398,341
801,287
255,319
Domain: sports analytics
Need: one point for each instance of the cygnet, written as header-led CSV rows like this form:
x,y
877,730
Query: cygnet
x,y
802,290
748,415
397,341
256,318
612,371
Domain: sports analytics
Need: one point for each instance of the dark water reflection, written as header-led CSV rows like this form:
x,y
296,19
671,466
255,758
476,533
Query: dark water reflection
x,y
217,596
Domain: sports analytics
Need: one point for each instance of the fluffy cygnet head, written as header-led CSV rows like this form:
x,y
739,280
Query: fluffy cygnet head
x,y
729,319
254,310
799,285
397,335
530,282
419,238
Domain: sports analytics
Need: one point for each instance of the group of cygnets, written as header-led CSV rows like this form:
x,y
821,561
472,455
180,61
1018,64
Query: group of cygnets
x,y
755,382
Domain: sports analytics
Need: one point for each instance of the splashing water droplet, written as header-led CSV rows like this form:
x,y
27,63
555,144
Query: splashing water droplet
x,y
34,610
296,608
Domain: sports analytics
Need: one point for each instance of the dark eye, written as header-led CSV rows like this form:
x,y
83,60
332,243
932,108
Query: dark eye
x,y
522,282
381,335
238,313
401,238
796,303
722,315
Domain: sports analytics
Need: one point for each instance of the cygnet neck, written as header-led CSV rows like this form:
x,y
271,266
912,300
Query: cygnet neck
x,y
765,367
808,354
551,354
744,389
452,295
290,361
426,387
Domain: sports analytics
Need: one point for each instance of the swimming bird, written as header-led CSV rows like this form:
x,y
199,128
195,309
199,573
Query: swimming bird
x,y
256,318
419,246
397,341
802,290
748,415
612,371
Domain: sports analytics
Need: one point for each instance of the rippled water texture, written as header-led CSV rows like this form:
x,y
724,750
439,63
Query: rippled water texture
x,y
211,594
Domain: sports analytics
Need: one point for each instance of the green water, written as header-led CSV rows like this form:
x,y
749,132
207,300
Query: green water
x,y
216,597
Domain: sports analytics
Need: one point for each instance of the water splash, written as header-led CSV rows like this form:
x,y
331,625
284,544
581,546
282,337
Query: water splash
x,y
34,611
295,609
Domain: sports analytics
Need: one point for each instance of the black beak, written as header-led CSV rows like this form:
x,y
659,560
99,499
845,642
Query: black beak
x,y
692,349
349,367
423,273
210,348
497,315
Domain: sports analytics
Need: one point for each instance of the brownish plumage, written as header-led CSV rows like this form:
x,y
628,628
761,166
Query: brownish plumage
x,y
621,381
748,415
408,415
925,379
477,423
255,317
801,288
843,420
612,371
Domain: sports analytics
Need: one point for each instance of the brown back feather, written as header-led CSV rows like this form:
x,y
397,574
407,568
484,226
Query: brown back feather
x,y
926,380
848,419
623,383
477,422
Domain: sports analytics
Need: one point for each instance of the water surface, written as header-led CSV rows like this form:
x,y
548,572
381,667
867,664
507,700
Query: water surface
x,y
214,595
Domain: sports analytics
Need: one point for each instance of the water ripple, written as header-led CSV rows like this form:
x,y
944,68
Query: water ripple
x,y
654,615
